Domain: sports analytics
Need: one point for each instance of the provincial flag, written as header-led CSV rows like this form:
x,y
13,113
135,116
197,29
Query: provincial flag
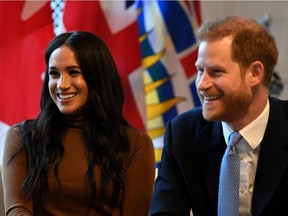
x,y
169,51
27,28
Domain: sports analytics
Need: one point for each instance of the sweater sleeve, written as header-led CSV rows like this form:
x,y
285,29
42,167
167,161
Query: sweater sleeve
x,y
13,174
140,176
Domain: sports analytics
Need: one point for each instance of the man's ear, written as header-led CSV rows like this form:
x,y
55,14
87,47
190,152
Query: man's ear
x,y
257,73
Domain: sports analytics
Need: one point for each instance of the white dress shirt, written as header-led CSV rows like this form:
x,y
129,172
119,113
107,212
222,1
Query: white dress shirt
x,y
249,154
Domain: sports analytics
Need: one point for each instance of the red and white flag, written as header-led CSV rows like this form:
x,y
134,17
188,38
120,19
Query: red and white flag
x,y
116,23
26,29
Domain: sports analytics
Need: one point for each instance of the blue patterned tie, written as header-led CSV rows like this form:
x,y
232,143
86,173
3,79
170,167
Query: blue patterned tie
x,y
228,196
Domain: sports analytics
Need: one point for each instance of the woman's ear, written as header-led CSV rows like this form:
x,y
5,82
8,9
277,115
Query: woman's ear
x,y
257,73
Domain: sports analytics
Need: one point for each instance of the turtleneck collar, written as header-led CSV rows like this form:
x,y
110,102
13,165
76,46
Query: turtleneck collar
x,y
74,120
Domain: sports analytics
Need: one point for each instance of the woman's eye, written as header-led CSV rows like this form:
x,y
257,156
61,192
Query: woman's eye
x,y
74,72
54,73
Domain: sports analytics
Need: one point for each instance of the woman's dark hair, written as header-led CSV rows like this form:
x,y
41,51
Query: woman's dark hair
x,y
107,144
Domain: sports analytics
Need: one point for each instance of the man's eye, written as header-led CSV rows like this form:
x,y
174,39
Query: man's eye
x,y
200,70
217,72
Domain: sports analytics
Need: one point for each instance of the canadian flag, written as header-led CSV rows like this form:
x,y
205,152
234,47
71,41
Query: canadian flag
x,y
26,29
116,23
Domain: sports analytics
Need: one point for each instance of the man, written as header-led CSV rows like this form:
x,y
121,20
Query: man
x,y
235,63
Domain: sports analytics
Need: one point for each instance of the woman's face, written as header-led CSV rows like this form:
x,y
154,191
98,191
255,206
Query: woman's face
x,y
67,86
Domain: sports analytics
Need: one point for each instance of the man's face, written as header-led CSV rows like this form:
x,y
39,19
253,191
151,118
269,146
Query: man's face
x,y
222,87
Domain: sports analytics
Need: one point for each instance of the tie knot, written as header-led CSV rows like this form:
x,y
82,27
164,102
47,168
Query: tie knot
x,y
234,139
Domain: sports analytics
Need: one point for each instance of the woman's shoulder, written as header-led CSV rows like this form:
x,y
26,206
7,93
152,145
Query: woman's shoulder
x,y
13,138
15,129
141,148
137,135
18,128
139,140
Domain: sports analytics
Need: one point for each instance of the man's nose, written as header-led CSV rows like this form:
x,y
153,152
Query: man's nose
x,y
203,81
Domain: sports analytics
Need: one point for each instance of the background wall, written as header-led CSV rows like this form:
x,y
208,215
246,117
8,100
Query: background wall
x,y
257,10
18,104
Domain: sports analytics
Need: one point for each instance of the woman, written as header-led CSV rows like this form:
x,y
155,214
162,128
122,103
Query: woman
x,y
79,156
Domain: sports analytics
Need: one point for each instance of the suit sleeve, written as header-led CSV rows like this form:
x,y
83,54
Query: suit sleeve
x,y
170,196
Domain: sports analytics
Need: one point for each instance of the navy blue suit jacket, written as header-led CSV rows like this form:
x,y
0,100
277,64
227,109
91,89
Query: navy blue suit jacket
x,y
188,173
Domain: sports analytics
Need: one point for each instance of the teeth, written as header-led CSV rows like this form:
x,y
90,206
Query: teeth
x,y
61,96
211,97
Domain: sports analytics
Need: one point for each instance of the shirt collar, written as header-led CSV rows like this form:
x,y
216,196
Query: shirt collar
x,y
254,132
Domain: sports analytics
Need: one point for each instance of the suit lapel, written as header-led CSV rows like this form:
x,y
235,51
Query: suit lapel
x,y
213,148
273,158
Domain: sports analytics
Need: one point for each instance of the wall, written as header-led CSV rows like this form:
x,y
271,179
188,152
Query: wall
x,y
257,10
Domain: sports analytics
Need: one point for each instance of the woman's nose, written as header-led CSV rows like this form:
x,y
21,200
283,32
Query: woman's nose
x,y
64,82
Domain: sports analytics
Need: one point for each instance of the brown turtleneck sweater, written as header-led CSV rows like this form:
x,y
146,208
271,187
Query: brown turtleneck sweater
x,y
74,195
